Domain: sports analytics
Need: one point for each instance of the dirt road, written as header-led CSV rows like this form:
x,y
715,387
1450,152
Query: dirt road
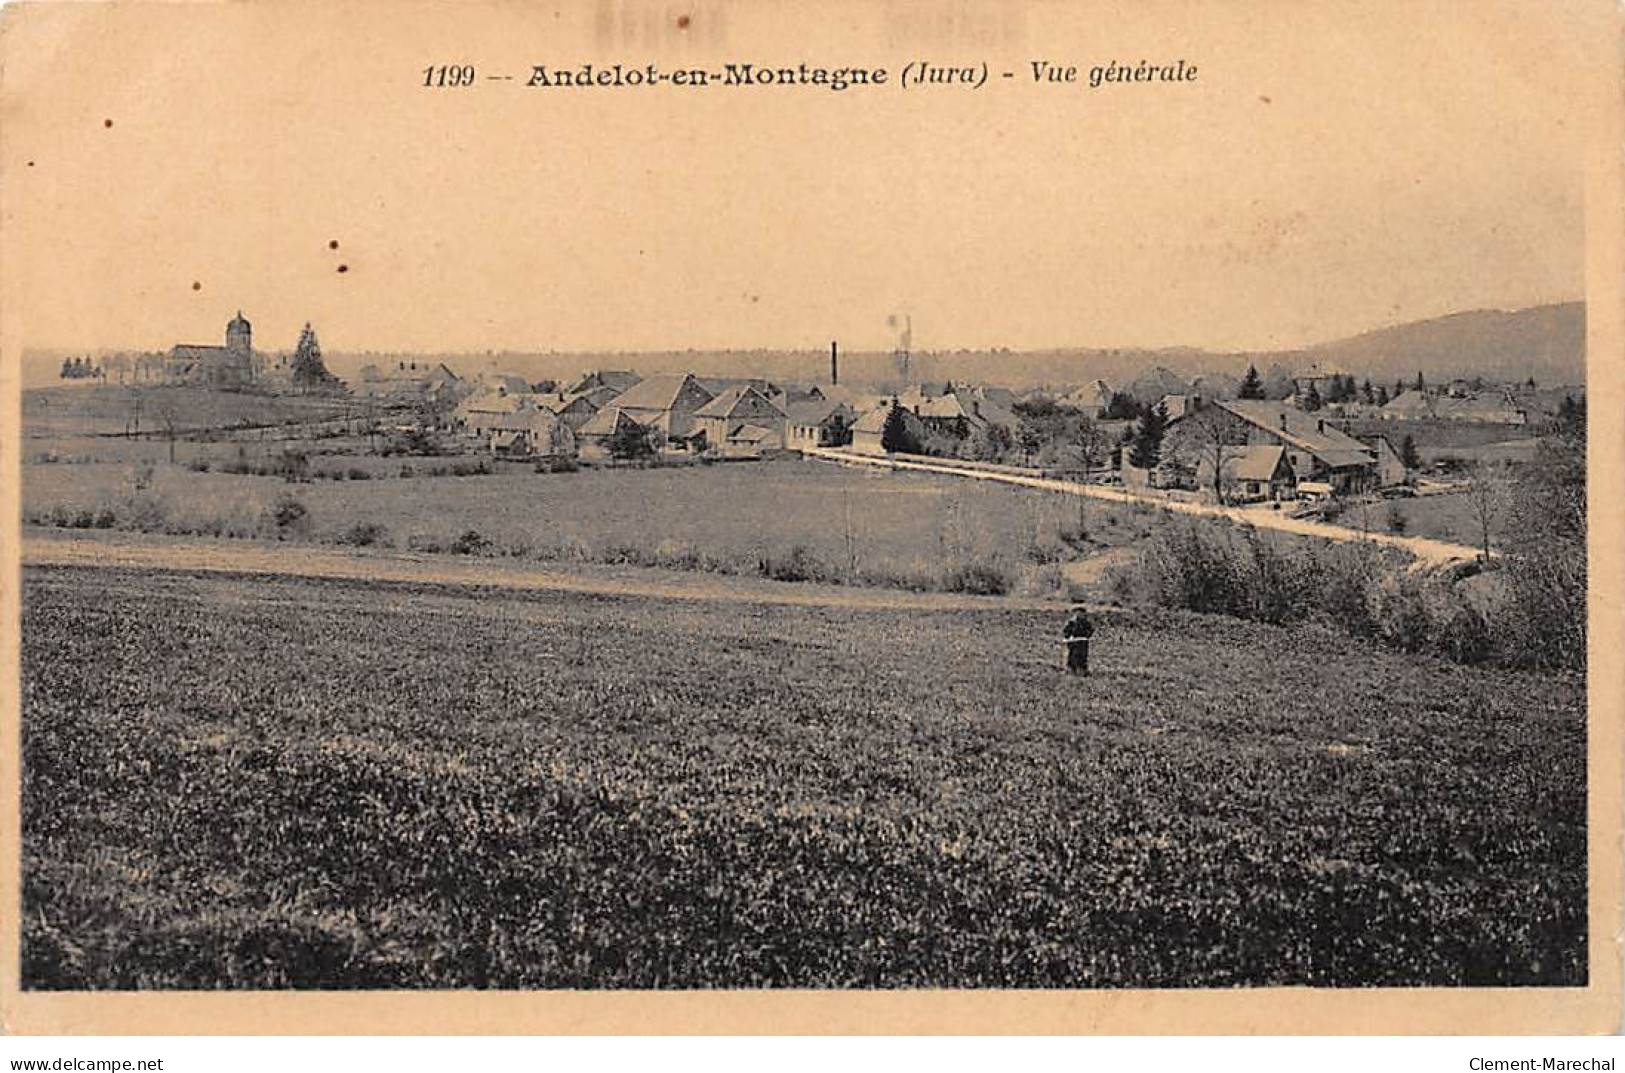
x,y
1427,551
47,547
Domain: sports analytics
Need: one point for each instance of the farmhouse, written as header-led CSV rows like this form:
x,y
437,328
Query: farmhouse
x,y
480,415
409,380
594,438
574,410
960,416
229,366
1093,398
615,380
505,383
1250,474
1391,469
741,419
867,433
665,404
1316,451
817,423
532,432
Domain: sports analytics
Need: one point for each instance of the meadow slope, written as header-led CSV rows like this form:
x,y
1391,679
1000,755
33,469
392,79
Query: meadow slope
x,y
254,782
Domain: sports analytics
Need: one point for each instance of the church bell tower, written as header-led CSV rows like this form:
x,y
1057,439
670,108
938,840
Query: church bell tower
x,y
239,335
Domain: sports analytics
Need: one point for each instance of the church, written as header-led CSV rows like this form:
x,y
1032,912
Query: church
x,y
229,366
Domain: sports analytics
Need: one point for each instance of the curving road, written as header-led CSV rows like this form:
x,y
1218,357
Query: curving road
x,y
1427,551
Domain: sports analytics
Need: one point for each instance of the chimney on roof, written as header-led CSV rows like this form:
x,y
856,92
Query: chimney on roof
x,y
1320,424
1283,420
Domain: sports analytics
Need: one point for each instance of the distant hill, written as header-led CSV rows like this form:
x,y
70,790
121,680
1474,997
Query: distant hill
x,y
1546,342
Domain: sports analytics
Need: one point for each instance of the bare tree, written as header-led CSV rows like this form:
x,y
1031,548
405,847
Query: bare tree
x,y
1213,435
1090,442
1487,498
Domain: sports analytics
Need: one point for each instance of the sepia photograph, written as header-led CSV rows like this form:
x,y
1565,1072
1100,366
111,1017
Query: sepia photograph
x,y
707,498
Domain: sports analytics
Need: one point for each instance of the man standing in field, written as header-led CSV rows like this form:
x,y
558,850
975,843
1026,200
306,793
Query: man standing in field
x,y
1077,632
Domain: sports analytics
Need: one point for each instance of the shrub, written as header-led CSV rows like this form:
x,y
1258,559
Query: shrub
x,y
289,518
363,535
359,474
977,579
198,465
472,542
1398,613
797,564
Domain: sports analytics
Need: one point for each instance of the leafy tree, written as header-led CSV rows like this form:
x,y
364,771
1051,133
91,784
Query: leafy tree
x,y
1146,450
1312,401
308,369
895,435
1030,435
630,441
991,443
1252,387
1367,395
1124,407
1420,385
1382,394
1407,453
1090,443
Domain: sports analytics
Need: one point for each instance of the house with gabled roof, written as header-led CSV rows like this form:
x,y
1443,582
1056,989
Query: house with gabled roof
x,y
1252,473
532,432
478,415
574,410
615,380
1093,398
723,418
817,423
869,431
593,439
1316,450
665,404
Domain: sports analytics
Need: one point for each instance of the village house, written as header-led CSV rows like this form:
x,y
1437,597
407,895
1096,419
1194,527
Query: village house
x,y
504,383
665,404
741,420
593,439
867,433
532,432
1316,450
409,381
574,410
1391,469
613,380
480,415
1250,474
818,423
959,416
1093,398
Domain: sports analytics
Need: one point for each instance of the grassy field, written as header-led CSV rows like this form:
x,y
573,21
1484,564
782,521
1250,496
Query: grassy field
x,y
114,408
269,783
819,520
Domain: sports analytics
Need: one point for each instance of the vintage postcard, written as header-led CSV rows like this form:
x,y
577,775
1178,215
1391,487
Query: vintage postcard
x,y
696,516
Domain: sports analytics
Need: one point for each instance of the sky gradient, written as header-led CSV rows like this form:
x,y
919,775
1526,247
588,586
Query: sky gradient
x,y
1360,166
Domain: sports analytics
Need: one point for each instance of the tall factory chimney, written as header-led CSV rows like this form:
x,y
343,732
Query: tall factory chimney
x,y
834,365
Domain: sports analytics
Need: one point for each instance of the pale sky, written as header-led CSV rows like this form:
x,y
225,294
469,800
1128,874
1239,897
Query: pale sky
x,y
1346,167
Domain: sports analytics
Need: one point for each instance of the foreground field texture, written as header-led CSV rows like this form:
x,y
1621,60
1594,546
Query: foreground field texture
x,y
270,783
